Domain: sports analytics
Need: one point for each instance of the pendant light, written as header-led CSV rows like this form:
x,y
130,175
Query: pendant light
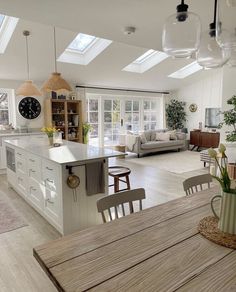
x,y
55,82
181,33
226,28
210,54
27,88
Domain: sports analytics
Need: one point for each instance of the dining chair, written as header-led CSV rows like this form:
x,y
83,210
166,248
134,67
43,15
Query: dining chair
x,y
196,183
106,204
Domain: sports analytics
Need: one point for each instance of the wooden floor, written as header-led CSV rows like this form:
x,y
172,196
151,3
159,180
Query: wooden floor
x,y
19,271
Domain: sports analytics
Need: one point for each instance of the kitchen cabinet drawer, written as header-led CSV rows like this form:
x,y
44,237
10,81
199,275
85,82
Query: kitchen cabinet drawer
x,y
20,154
53,209
20,165
21,184
34,169
36,194
50,174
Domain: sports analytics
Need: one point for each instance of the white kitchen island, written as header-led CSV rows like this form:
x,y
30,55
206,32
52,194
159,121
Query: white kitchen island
x,y
38,172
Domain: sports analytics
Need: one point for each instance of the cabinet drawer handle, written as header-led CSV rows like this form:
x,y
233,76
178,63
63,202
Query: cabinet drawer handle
x,y
32,160
33,189
48,168
50,180
31,170
19,153
20,179
49,201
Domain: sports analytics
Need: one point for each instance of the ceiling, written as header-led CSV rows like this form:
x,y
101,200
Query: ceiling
x,y
103,18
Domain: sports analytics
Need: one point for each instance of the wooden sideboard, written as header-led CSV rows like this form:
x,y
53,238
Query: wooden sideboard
x,y
204,139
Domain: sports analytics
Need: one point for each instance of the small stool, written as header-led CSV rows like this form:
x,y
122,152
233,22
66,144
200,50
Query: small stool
x,y
117,172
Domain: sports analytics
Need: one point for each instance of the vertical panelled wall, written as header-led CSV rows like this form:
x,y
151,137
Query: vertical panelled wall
x,y
204,92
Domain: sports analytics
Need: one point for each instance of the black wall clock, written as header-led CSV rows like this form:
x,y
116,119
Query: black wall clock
x,y
29,107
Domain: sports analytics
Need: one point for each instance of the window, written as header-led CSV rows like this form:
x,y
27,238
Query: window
x,y
93,119
7,27
82,42
150,115
186,71
132,115
146,61
6,107
83,49
1,19
111,121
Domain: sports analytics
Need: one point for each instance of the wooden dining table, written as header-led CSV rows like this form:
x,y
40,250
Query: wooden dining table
x,y
157,249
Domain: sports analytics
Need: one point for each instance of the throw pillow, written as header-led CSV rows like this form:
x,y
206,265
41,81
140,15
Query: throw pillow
x,y
162,136
143,138
173,135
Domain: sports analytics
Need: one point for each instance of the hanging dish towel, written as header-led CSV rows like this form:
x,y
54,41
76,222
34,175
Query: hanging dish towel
x,y
95,182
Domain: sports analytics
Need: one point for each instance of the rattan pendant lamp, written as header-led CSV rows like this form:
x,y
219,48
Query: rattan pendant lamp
x,y
27,88
55,81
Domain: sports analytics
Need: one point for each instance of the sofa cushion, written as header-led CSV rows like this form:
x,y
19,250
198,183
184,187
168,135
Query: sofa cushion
x,y
162,136
173,135
161,144
143,138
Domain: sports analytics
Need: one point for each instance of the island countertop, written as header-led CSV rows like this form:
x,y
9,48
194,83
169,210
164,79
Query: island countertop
x,y
69,152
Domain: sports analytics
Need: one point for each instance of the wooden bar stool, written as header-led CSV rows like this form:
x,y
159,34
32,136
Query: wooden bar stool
x,y
118,172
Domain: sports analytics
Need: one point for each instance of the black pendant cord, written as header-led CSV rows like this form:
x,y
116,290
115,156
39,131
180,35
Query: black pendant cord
x,y
27,57
215,11
213,24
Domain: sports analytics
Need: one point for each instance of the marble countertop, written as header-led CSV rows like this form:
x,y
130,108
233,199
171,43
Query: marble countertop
x,y
69,152
8,134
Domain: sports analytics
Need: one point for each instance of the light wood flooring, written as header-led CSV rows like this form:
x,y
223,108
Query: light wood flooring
x,y
19,271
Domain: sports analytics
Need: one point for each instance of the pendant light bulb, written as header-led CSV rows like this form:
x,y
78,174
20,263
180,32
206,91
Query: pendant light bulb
x,y
210,55
181,33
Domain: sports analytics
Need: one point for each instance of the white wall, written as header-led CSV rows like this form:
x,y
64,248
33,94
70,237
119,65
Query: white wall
x,y
205,92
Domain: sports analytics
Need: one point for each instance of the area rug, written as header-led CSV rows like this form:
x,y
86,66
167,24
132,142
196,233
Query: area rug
x,y
176,162
9,218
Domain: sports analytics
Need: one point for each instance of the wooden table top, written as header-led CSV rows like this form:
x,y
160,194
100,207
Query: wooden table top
x,y
157,249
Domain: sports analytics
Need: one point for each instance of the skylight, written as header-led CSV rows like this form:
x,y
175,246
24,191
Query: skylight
x,y
7,27
144,57
146,61
82,42
1,19
186,71
83,49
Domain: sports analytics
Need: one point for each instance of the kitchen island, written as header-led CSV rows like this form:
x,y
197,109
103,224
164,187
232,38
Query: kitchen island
x,y
39,173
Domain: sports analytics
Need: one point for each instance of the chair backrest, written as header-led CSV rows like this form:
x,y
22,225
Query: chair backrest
x,y
195,184
118,200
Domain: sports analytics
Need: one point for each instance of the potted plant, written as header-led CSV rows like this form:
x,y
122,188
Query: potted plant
x,y
230,120
227,217
175,114
87,128
49,131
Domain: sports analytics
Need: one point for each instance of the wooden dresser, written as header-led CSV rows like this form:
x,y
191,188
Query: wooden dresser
x,y
204,139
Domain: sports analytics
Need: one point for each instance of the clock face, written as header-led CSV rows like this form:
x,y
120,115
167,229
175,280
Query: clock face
x,y
29,108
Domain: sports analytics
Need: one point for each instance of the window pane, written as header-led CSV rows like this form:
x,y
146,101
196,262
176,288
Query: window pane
x,y
3,101
135,117
146,126
93,105
93,117
4,117
107,117
128,117
147,117
153,126
153,117
116,117
94,132
128,106
135,106
146,104
107,129
153,105
107,105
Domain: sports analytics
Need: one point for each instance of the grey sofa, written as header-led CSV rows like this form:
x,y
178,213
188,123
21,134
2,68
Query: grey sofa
x,y
135,143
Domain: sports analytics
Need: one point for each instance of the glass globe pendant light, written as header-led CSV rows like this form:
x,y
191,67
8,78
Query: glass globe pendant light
x,y
210,54
226,28
181,33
